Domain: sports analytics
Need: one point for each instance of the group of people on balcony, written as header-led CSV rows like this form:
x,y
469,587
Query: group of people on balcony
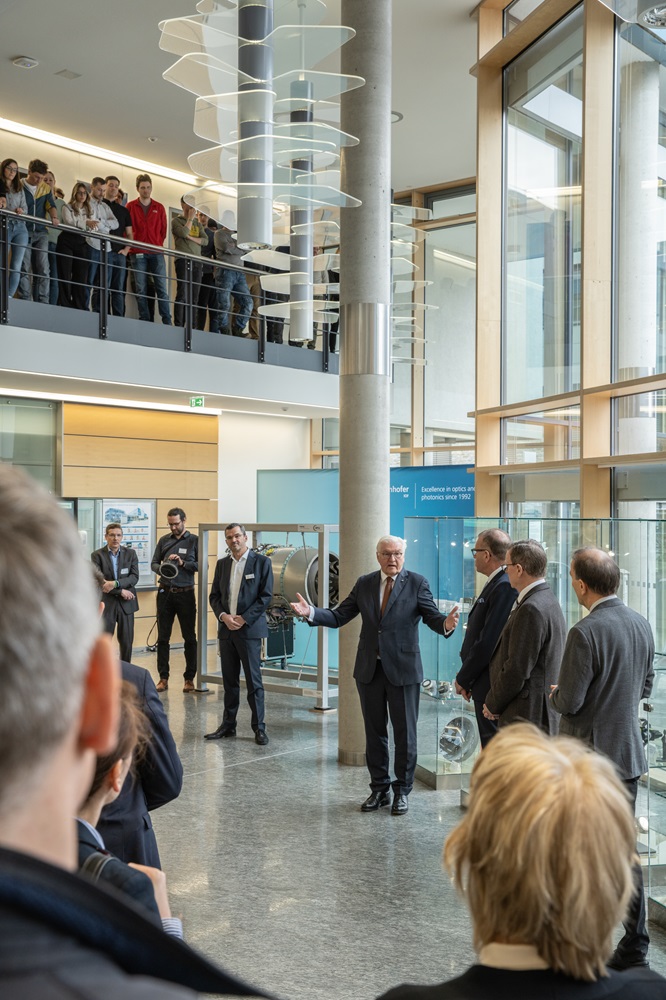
x,y
54,265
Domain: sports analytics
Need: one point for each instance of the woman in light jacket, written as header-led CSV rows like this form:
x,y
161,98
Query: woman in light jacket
x,y
73,249
17,231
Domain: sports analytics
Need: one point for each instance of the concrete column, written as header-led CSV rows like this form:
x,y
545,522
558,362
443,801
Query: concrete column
x,y
365,294
255,124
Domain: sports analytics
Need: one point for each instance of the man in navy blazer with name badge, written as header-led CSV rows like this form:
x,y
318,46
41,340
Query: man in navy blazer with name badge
x,y
242,590
388,669
607,669
120,568
484,625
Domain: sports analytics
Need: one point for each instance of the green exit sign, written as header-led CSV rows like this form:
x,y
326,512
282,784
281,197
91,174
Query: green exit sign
x,y
196,401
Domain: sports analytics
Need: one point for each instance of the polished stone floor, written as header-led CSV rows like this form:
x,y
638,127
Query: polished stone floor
x,y
282,880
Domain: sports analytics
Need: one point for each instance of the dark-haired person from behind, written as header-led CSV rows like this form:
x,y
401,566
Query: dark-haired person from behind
x,y
607,669
544,861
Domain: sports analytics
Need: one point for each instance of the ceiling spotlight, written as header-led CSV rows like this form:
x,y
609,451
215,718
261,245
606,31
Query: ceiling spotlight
x,y
152,138
654,17
25,62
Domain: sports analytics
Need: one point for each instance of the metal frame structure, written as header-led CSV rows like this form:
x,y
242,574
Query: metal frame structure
x,y
322,692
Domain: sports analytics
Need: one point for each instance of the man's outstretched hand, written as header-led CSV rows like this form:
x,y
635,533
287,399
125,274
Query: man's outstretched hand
x,y
301,606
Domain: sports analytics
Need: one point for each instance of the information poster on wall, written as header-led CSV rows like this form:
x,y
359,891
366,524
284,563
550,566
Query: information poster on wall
x,y
137,518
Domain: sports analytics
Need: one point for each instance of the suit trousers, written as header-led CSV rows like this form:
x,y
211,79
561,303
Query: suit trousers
x,y
182,605
114,615
633,947
379,700
487,727
237,652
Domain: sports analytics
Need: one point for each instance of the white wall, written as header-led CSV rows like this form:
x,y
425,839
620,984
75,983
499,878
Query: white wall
x,y
248,442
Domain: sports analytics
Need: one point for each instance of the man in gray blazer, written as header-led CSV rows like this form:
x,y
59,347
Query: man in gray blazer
x,y
606,670
388,669
527,659
120,567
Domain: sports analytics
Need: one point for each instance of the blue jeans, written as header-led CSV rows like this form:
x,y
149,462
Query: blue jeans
x,y
93,267
34,283
233,283
17,239
116,269
153,263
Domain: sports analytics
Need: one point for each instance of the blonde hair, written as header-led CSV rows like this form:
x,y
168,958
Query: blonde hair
x,y
544,855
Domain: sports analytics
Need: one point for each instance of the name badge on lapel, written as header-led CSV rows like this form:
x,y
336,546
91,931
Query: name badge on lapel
x,y
124,572
182,552
249,576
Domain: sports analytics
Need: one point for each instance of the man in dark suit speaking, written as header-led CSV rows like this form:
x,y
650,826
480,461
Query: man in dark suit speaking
x,y
388,669
120,568
484,625
242,590
607,668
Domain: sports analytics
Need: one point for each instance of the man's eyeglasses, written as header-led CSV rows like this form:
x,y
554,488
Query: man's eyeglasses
x,y
474,551
391,555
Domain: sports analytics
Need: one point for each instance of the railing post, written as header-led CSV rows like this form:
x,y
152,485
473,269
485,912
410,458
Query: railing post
x,y
4,275
261,343
188,304
103,289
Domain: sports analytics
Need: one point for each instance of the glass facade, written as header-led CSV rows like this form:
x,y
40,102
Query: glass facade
x,y
640,423
547,436
517,12
543,91
450,343
640,299
29,438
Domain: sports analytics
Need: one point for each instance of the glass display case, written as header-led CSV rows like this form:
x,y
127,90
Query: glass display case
x,y
440,549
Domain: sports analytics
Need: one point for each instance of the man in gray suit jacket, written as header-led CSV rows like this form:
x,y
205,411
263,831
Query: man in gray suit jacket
x,y
527,660
606,670
120,568
388,669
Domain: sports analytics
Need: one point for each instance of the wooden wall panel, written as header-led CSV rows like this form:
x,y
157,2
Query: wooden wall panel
x,y
100,481
150,455
159,425
124,453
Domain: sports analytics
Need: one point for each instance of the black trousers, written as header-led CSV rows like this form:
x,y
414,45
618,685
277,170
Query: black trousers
x,y
181,605
633,947
72,252
114,615
379,700
487,727
237,652
181,291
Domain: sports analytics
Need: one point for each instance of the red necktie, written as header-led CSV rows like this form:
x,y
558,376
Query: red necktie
x,y
388,587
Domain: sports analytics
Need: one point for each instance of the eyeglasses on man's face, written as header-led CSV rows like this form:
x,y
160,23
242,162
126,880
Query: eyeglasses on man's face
x,y
474,551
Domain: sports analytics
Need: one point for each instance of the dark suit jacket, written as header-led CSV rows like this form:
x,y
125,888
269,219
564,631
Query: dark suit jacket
x,y
131,882
481,982
484,627
128,576
254,596
394,639
527,661
125,825
606,670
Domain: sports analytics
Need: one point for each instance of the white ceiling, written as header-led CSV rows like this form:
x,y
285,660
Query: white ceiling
x,y
120,98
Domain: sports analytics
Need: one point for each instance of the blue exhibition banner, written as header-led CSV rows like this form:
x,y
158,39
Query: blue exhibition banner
x,y
430,491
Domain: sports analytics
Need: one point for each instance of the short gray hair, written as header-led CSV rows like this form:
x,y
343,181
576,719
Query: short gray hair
x,y
392,540
48,624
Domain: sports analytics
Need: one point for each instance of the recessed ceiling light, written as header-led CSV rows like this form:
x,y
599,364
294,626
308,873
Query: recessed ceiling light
x,y
152,138
655,17
25,62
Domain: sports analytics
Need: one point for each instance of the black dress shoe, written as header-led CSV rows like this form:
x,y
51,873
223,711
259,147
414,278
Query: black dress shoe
x,y
221,733
261,737
376,800
619,963
400,805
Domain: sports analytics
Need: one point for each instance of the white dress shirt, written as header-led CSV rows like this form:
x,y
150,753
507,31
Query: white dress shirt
x,y
237,570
